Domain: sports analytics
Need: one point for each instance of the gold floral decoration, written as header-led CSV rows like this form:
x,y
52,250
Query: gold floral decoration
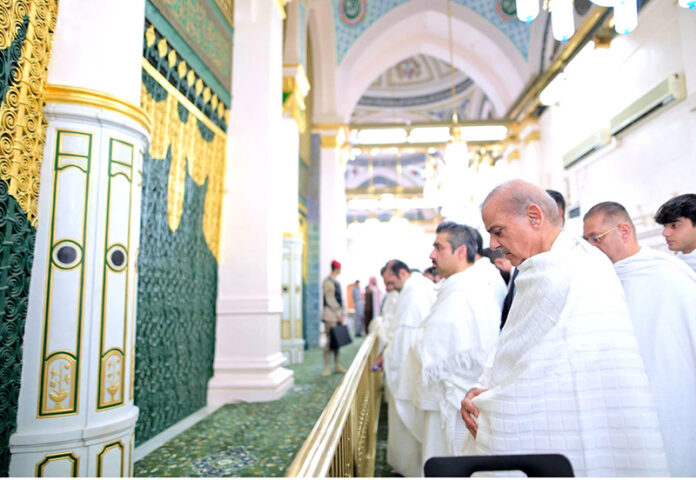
x,y
22,123
205,159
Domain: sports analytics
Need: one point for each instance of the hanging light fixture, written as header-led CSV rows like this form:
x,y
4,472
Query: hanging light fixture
x,y
527,10
626,16
457,148
562,19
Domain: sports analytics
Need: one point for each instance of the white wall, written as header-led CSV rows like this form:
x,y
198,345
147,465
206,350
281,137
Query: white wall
x,y
650,162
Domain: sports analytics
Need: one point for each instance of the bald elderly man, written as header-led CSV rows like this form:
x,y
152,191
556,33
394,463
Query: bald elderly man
x,y
661,296
567,376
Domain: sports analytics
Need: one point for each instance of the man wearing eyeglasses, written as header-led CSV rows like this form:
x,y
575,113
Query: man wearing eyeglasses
x,y
567,376
661,296
678,217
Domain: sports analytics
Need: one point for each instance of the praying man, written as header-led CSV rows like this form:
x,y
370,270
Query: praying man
x,y
566,376
453,342
661,296
416,296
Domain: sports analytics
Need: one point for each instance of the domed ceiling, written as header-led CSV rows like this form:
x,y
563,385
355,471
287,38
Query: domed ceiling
x,y
419,89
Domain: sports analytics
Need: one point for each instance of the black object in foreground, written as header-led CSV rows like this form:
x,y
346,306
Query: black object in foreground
x,y
533,465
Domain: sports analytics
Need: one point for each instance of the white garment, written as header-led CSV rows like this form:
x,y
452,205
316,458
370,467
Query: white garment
x,y
567,376
490,274
448,356
403,450
413,305
661,296
388,324
688,258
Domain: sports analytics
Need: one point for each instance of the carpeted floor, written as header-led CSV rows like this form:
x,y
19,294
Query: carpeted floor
x,y
251,439
382,468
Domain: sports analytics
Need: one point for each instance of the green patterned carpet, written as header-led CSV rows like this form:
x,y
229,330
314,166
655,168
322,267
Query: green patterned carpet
x,y
252,439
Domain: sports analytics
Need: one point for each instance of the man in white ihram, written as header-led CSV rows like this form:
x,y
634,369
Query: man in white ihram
x,y
661,296
488,272
453,342
566,376
416,296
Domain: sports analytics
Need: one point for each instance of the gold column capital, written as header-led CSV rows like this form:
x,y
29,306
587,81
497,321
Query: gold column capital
x,y
97,99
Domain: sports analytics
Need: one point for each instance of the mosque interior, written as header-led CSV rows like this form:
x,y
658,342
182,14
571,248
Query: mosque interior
x,y
177,177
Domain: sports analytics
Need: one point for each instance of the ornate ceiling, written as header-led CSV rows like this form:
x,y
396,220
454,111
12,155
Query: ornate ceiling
x,y
419,89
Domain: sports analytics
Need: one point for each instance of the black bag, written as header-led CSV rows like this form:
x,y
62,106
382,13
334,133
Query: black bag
x,y
339,336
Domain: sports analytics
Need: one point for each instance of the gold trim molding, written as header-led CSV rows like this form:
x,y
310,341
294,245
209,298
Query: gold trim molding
x,y
227,9
533,136
297,86
280,4
96,99
324,127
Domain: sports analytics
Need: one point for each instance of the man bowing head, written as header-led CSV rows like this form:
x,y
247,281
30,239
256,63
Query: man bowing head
x,y
566,376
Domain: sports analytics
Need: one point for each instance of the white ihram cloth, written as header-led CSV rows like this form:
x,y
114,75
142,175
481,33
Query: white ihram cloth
x,y
661,296
688,258
567,376
385,332
448,356
490,274
405,425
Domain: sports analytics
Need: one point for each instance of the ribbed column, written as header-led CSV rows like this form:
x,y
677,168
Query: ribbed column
x,y
248,361
76,412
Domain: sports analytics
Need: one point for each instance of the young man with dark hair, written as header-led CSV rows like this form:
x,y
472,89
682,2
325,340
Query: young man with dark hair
x,y
678,217
451,346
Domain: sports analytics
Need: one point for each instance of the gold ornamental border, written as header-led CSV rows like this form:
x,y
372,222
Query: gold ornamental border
x,y
96,99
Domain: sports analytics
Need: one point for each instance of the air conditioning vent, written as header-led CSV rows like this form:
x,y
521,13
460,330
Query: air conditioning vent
x,y
669,90
591,144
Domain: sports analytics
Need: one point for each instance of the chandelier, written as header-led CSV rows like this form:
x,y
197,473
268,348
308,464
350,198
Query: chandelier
x,y
562,18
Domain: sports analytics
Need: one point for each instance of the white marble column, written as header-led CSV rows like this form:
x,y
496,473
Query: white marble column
x,y
332,220
248,360
76,412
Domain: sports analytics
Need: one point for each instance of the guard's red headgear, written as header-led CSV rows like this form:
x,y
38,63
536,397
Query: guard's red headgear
x,y
335,264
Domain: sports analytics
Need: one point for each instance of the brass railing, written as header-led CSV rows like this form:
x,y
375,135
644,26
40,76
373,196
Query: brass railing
x,y
344,439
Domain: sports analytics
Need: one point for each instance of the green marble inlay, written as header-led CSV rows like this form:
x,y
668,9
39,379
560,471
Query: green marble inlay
x,y
177,289
16,258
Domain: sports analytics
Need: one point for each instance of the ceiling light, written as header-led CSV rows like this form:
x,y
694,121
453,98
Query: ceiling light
x,y
429,135
381,136
562,19
625,16
483,133
527,10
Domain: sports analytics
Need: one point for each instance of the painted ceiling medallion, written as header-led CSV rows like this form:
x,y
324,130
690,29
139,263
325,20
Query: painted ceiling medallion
x,y
352,11
507,9
409,69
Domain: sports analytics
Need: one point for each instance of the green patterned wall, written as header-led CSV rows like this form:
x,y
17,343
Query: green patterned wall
x,y
16,257
177,290
26,35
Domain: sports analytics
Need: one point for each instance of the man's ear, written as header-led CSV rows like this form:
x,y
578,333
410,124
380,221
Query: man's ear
x,y
461,252
534,215
624,229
